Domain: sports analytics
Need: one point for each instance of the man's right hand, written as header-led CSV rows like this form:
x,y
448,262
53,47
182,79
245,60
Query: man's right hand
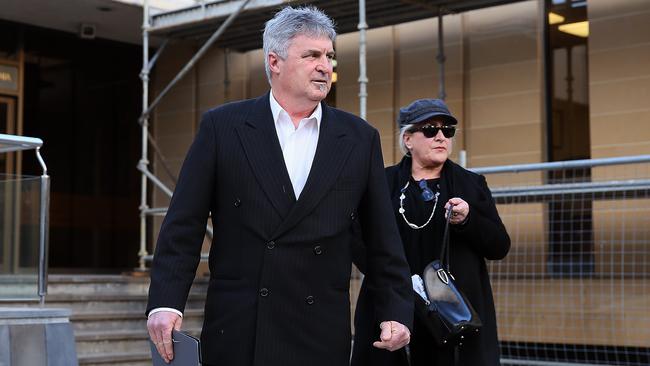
x,y
394,335
160,326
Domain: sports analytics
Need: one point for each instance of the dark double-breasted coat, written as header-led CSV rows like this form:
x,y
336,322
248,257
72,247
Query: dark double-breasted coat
x,y
279,267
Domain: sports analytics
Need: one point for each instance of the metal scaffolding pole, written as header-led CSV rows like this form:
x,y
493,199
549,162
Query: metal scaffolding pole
x,y
144,162
363,78
441,58
190,64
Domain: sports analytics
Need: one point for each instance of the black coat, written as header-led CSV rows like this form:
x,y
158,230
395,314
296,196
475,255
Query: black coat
x,y
482,236
279,268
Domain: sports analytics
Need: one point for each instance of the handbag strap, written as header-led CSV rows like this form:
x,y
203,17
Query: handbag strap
x,y
444,251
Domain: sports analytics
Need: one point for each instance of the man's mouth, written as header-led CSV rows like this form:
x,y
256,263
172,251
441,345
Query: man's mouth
x,y
321,84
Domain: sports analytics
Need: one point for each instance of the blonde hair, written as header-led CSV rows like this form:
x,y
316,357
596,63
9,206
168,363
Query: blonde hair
x,y
402,146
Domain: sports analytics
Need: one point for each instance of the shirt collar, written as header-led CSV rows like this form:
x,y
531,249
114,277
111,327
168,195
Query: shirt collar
x,y
276,109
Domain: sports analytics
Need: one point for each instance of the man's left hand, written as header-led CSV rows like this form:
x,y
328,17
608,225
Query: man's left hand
x,y
393,336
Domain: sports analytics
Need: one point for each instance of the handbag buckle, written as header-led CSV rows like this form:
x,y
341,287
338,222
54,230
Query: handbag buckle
x,y
442,275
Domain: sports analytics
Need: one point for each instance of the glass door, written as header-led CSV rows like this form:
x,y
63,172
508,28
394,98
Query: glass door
x,y
7,126
7,188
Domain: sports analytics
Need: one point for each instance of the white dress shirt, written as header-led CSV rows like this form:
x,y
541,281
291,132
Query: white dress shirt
x,y
298,148
298,144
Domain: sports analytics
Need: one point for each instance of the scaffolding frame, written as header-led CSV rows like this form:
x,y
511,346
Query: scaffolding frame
x,y
171,24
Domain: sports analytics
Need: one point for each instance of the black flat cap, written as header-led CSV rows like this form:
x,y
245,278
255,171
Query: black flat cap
x,y
424,109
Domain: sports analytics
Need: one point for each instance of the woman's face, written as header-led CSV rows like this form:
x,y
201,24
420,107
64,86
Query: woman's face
x,y
428,151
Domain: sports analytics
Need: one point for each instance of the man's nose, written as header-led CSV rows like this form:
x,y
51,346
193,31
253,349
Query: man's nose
x,y
324,65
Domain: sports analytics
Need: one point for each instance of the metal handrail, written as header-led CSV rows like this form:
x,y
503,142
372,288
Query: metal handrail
x,y
19,143
572,188
560,188
582,163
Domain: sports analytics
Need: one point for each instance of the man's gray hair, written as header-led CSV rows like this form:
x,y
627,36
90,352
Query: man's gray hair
x,y
289,23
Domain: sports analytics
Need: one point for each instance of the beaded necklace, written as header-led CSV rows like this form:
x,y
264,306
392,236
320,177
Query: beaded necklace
x,y
402,210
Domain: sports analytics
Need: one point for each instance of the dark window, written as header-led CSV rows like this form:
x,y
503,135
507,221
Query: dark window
x,y
82,97
571,246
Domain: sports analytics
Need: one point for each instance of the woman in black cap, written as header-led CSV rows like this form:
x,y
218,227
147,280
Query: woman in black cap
x,y
422,185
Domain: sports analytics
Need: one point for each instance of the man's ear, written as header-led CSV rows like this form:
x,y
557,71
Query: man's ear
x,y
274,59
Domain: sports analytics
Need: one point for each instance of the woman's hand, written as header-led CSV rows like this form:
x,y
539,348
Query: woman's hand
x,y
459,212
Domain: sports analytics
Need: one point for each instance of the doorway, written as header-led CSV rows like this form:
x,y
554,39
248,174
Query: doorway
x,y
571,242
82,98
10,192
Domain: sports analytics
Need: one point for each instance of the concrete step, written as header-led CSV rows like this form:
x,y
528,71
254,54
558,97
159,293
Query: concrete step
x,y
124,320
107,301
116,358
108,315
116,341
88,284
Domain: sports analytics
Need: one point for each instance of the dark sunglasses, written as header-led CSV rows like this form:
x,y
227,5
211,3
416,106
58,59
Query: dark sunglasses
x,y
430,131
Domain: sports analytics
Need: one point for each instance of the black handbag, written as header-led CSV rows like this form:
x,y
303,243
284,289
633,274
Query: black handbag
x,y
446,312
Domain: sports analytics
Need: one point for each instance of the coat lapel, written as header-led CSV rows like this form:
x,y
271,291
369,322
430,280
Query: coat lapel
x,y
331,153
260,141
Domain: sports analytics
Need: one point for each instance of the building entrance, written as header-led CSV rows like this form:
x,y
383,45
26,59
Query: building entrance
x,y
82,98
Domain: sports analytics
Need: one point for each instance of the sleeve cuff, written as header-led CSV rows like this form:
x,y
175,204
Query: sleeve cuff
x,y
156,310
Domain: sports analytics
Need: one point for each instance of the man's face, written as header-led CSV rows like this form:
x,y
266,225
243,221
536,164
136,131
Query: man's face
x,y
306,73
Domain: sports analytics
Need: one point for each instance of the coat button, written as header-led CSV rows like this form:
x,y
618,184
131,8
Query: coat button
x,y
264,292
310,300
237,202
270,245
318,250
353,216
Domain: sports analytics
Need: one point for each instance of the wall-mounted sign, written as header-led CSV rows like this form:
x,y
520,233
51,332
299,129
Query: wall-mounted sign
x,y
8,77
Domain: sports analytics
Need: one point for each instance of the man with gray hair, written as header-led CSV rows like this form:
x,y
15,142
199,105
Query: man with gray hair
x,y
288,182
